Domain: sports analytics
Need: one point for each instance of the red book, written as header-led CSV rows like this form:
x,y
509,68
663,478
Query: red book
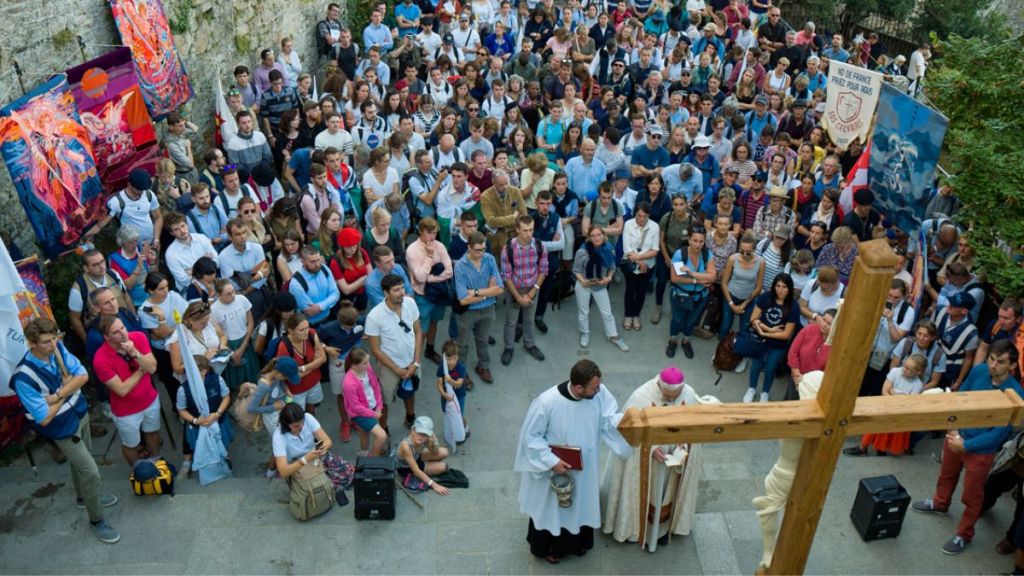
x,y
571,455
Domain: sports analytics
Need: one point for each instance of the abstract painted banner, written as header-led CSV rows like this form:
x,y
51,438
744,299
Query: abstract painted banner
x,y
113,111
33,301
904,150
852,96
49,156
162,77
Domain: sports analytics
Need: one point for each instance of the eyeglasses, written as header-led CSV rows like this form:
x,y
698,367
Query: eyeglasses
x,y
250,211
404,326
618,65
655,136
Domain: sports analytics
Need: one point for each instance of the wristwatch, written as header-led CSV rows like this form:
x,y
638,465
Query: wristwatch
x,y
476,292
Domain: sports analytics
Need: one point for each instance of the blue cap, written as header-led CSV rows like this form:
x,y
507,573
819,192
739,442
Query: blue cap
x,y
288,368
761,176
962,300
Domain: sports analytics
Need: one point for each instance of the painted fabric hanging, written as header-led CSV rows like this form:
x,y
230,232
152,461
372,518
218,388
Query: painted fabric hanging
x,y
48,153
162,77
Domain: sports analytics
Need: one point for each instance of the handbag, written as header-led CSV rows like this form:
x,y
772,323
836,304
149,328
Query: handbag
x,y
748,344
240,408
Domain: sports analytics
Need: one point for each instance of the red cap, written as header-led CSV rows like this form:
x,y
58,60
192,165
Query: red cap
x,y
349,237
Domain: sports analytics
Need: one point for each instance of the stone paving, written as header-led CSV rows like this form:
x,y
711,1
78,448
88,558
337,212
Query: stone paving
x,y
242,525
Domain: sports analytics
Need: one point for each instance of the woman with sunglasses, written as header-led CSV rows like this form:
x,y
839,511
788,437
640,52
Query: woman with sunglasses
x,y
742,280
249,212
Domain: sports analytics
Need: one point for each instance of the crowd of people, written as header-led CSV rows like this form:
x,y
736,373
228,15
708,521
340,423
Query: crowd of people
x,y
471,164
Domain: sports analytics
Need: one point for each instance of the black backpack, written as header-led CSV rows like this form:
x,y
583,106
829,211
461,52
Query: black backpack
x,y
121,203
83,289
298,277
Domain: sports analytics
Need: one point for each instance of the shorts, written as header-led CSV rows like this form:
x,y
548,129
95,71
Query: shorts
x,y
429,312
147,420
365,423
313,397
336,373
389,382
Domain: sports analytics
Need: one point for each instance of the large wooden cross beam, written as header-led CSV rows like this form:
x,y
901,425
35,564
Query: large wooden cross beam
x,y
825,422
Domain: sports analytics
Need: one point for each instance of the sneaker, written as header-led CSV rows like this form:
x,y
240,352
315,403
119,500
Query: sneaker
x,y
535,352
954,546
764,397
105,532
584,339
106,501
687,349
270,474
656,315
670,350
106,412
506,357
621,344
927,506
741,367
432,355
541,326
855,451
185,469
346,431
749,396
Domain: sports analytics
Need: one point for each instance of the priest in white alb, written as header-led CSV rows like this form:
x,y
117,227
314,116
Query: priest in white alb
x,y
674,472
560,494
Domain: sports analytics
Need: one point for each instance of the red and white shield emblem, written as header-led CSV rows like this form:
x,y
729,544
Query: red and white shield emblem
x,y
848,106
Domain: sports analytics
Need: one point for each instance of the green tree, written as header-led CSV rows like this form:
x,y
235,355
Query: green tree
x,y
966,18
974,87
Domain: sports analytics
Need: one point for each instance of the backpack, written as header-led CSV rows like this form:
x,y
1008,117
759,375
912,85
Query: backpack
x,y
436,154
240,409
246,192
725,359
310,492
152,477
121,203
512,261
592,210
298,277
83,289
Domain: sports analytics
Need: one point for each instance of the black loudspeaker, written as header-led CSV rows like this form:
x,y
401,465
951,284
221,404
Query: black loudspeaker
x,y
879,508
374,488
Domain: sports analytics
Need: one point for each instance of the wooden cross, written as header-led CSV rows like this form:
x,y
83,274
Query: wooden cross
x,y
825,422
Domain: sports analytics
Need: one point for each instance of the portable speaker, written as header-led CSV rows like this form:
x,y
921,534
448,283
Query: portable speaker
x,y
879,508
374,488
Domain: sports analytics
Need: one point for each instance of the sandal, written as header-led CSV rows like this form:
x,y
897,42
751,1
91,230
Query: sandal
x,y
552,559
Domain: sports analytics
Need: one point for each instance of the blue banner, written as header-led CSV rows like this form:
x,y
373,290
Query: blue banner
x,y
904,150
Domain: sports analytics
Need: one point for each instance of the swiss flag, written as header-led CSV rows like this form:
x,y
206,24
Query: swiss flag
x,y
855,180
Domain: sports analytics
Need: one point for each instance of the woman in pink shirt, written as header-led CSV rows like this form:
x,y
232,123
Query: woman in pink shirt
x,y
428,263
809,353
363,401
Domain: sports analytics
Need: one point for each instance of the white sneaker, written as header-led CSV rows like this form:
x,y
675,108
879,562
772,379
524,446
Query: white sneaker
x,y
621,344
584,339
105,410
764,397
749,396
741,366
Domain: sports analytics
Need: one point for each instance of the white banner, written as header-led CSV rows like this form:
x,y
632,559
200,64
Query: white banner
x,y
851,100
12,339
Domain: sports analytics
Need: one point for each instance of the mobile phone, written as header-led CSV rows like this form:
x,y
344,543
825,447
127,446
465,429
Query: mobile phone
x,y
147,309
888,306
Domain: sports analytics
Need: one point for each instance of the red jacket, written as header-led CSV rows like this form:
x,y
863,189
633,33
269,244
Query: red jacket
x,y
809,351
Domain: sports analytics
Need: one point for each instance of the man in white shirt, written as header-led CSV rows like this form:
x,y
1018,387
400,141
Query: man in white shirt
x,y
447,154
495,105
466,38
429,40
413,140
185,250
918,66
136,205
393,330
335,137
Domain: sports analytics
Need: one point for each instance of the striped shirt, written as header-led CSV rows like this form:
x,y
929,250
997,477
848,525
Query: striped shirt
x,y
527,265
469,278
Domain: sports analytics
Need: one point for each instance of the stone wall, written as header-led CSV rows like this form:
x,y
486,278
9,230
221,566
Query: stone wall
x,y
211,35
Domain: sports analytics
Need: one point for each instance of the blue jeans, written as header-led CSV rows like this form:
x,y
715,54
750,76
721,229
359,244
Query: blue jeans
x,y
728,315
684,319
767,363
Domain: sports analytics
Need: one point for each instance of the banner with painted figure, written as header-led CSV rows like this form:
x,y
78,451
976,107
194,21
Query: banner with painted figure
x,y
48,153
114,112
33,301
904,150
161,74
850,102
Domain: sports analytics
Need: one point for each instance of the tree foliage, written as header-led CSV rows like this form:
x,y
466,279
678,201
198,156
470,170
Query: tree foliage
x,y
972,83
965,18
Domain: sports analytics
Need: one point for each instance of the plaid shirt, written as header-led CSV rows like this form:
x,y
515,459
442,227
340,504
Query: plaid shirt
x,y
527,266
766,222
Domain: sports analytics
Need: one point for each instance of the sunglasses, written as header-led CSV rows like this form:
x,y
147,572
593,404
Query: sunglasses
x,y
473,109
250,211
404,326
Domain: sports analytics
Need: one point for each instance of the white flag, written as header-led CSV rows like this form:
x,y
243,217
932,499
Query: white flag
x,y
12,340
850,103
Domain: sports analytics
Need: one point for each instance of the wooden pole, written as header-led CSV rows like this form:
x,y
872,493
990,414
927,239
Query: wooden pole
x,y
855,330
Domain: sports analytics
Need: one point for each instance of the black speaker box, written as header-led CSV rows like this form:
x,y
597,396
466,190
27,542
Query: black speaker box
x,y
879,508
374,488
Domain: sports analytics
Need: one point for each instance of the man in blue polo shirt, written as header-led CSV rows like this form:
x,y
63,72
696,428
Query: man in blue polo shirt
x,y
649,159
48,382
584,171
477,286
